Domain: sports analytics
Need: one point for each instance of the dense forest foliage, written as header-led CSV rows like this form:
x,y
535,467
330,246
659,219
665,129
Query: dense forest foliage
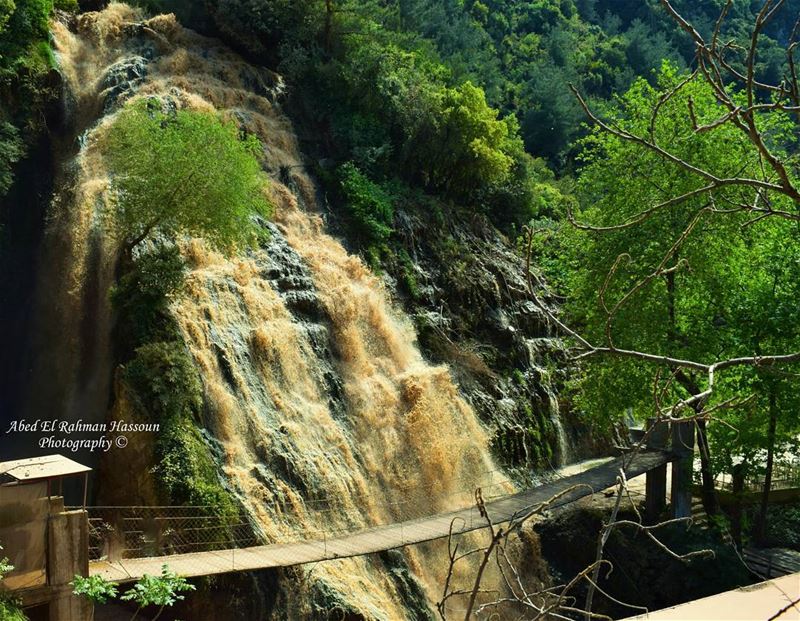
x,y
454,98
468,101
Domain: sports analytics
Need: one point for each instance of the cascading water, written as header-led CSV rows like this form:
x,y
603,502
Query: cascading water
x,y
327,415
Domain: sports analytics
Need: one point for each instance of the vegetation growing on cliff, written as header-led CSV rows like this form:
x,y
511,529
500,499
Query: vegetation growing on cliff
x,y
175,172
25,60
166,384
183,172
163,379
369,204
143,294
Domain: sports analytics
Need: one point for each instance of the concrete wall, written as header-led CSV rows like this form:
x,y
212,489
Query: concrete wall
x,y
67,555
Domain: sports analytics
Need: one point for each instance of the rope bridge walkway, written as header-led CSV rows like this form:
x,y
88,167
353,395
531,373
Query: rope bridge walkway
x,y
379,538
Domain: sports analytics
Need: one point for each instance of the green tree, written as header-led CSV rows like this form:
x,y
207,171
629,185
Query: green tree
x,y
470,146
765,316
660,266
183,172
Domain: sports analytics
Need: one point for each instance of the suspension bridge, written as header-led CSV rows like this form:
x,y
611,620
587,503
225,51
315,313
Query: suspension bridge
x,y
387,537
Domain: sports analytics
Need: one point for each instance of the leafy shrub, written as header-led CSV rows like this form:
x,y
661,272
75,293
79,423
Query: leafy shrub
x,y
165,381
408,274
94,588
25,52
186,470
9,611
169,391
162,591
142,296
368,204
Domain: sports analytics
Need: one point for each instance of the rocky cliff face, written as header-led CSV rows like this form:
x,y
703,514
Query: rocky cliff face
x,y
471,304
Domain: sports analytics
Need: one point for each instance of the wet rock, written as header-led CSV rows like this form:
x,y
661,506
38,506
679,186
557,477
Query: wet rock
x,y
122,79
407,585
286,272
473,311
262,82
225,366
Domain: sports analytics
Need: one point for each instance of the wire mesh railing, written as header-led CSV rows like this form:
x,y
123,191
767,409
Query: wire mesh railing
x,y
785,475
127,532
294,535
117,533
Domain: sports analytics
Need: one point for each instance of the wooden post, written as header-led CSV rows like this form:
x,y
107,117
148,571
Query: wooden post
x,y
655,495
683,449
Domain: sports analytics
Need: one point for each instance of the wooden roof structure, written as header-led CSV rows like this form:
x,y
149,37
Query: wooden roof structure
x,y
47,468
41,468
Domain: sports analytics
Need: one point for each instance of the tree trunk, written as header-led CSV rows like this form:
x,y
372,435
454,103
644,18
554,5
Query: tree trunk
x,y
123,262
328,25
673,330
736,513
708,492
761,529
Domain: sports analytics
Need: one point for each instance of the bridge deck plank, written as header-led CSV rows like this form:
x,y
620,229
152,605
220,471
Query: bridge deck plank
x,y
384,537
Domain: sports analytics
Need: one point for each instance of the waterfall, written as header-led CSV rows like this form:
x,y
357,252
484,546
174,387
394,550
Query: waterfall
x,y
564,449
326,415
565,454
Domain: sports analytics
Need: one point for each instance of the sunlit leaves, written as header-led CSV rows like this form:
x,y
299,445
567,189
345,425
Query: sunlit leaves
x,y
732,286
183,172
